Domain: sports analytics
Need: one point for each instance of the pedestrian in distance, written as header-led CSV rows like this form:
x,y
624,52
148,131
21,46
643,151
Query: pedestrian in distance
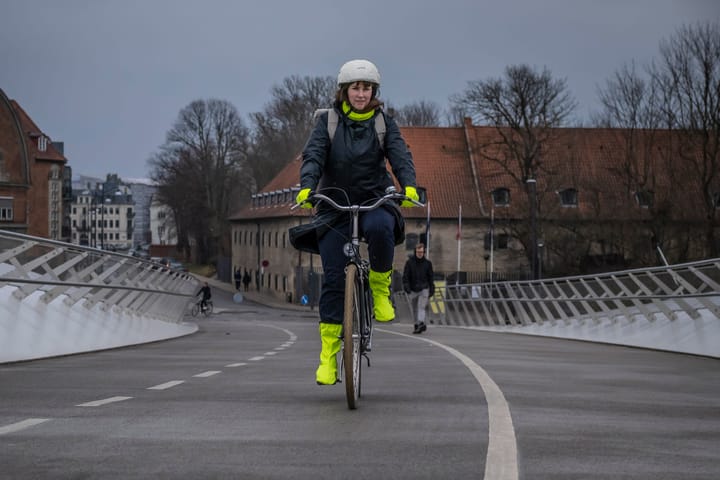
x,y
238,279
419,285
246,280
349,166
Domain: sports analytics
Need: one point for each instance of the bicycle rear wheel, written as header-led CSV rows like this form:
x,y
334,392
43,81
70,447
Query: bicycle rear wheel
x,y
351,336
208,308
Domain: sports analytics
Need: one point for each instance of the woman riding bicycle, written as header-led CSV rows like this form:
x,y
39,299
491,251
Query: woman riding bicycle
x,y
350,168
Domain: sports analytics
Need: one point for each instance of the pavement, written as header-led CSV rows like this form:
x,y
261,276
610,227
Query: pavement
x,y
262,298
268,300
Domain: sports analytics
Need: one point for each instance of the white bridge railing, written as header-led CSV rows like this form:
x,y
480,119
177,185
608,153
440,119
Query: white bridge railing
x,y
58,298
675,307
91,276
686,288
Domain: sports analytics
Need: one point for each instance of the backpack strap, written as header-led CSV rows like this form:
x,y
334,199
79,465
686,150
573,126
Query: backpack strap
x,y
380,129
332,122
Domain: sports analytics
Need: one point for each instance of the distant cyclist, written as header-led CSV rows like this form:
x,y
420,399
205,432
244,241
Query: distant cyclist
x,y
206,295
353,160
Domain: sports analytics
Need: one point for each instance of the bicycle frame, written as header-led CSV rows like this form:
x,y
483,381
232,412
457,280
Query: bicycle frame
x,y
359,311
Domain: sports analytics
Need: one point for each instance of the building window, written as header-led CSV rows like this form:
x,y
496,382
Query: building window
x,y
644,198
716,199
6,209
501,197
411,239
500,242
568,197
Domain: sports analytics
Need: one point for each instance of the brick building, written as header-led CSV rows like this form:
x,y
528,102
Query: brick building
x,y
31,175
604,199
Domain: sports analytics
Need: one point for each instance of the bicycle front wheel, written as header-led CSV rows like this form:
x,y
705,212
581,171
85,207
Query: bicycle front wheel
x,y
351,336
195,310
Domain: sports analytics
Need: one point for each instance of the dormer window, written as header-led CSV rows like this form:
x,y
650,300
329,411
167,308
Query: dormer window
x,y
644,198
42,143
568,197
501,197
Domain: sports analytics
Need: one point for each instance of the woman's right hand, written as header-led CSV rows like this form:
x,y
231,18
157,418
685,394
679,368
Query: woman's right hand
x,y
302,197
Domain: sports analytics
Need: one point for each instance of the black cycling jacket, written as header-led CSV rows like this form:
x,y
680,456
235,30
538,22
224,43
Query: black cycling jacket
x,y
355,162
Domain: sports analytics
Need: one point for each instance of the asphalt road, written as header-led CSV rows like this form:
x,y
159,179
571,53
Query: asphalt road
x,y
238,400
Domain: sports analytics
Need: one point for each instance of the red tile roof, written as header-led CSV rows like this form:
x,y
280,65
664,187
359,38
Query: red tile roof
x,y
455,165
32,131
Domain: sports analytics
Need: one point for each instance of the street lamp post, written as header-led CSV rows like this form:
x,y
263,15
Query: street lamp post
x,y
102,224
532,196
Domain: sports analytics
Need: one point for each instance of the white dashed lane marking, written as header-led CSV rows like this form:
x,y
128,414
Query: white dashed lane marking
x,y
31,422
105,401
166,385
16,427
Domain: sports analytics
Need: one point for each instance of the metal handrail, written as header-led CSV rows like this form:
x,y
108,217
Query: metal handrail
x,y
92,276
669,290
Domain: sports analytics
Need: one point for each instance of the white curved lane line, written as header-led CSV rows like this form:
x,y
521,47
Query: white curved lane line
x,y
501,460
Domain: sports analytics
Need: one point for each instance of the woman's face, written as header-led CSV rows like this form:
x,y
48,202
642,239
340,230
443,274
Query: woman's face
x,y
359,95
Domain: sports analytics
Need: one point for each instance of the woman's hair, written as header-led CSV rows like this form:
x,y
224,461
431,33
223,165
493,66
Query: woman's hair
x,y
342,96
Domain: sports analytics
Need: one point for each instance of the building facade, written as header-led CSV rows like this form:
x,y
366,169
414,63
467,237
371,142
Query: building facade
x,y
31,175
162,224
582,212
102,218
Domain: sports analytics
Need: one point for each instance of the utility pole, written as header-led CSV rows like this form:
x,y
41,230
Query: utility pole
x,y
532,196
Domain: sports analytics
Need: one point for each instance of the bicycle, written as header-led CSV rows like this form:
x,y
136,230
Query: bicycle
x,y
196,308
359,313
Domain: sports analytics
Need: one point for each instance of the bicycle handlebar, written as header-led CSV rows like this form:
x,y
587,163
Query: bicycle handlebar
x,y
359,208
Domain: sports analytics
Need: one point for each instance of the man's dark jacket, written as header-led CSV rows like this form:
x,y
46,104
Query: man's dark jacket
x,y
418,275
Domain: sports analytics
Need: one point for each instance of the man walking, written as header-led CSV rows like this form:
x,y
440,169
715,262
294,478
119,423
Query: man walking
x,y
418,284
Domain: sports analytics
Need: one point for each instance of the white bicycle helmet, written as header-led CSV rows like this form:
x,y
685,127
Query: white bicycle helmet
x,y
358,71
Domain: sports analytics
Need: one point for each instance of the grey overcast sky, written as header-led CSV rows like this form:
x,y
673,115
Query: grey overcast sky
x,y
108,77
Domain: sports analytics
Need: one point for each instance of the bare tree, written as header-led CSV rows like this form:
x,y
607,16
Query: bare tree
x,y
641,161
418,114
524,107
688,75
202,172
629,101
281,129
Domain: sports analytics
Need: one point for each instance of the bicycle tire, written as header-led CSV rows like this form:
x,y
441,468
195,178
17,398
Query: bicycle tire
x,y
208,308
195,310
351,336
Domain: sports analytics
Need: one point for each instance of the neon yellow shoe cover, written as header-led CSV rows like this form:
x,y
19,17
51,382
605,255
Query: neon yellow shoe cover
x,y
326,373
380,286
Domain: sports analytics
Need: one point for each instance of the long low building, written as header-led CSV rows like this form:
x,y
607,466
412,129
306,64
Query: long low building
x,y
594,200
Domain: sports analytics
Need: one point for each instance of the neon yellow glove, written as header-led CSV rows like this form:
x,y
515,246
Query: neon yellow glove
x,y
302,197
410,192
